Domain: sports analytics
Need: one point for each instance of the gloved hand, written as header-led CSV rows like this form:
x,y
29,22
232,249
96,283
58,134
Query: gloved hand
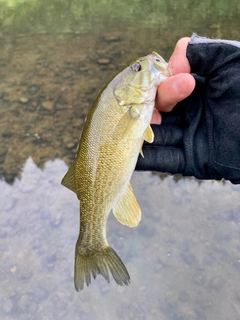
x,y
201,136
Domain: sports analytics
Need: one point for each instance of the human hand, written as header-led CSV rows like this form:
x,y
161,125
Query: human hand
x,y
177,87
200,136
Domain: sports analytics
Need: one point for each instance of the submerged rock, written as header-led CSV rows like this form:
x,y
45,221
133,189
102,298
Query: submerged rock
x,y
23,100
48,106
104,61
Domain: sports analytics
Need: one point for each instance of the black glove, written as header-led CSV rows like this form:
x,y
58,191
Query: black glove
x,y
201,136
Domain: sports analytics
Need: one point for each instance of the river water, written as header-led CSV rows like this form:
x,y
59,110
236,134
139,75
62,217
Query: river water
x,y
184,257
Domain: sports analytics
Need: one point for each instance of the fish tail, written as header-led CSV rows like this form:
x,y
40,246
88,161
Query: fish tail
x,y
99,262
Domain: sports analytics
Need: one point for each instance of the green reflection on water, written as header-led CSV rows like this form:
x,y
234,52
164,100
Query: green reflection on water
x,y
67,14
51,65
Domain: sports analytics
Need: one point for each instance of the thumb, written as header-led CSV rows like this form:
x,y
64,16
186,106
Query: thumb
x,y
178,62
173,90
180,85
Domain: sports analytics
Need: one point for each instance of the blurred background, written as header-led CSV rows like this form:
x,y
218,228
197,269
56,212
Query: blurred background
x,y
184,257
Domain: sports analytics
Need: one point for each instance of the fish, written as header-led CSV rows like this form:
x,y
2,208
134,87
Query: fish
x,y
114,131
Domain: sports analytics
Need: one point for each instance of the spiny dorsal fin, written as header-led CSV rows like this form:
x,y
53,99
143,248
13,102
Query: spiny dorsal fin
x,y
127,211
148,135
68,180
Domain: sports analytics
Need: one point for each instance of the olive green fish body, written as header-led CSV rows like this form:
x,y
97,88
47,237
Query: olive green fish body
x,y
112,138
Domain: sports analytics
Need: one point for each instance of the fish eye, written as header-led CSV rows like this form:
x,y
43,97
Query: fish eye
x,y
136,66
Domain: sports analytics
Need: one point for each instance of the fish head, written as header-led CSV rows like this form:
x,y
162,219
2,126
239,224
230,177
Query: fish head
x,y
148,71
139,81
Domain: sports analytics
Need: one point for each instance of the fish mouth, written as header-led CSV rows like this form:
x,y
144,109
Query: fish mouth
x,y
159,63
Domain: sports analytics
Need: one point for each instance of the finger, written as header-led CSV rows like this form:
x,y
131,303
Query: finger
x,y
178,62
173,90
169,160
156,117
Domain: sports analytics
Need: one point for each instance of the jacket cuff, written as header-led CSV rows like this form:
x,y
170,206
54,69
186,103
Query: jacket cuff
x,y
195,39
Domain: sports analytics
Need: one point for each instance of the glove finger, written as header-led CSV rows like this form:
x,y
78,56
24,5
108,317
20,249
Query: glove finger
x,y
176,116
170,160
167,135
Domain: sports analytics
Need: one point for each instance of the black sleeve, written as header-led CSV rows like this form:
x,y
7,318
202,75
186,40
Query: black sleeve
x,y
217,62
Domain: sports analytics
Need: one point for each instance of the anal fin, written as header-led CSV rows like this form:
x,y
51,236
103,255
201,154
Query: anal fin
x,y
127,210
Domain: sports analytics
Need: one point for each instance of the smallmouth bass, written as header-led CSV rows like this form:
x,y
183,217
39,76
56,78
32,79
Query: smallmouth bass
x,y
113,134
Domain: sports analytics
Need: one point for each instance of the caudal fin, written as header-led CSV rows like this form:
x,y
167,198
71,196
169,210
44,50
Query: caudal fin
x,y
99,262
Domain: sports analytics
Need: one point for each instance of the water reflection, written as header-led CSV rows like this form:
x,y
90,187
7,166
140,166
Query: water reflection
x,y
183,258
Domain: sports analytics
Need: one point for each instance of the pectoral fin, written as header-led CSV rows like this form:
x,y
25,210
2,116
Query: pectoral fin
x,y
127,121
148,135
68,180
127,211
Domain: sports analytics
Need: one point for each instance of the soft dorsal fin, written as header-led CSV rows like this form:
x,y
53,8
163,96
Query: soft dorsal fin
x,y
148,135
68,180
127,210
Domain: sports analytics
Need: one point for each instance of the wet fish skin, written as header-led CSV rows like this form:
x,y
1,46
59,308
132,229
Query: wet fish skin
x,y
114,131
